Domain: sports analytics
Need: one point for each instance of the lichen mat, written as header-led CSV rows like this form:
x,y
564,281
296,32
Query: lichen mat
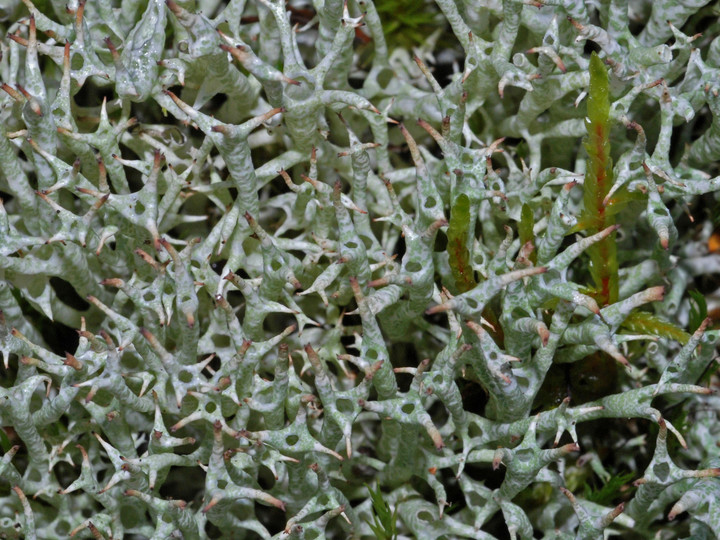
x,y
359,270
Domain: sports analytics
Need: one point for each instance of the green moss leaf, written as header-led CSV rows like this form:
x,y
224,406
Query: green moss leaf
x,y
610,491
384,522
459,256
598,181
698,310
642,322
525,229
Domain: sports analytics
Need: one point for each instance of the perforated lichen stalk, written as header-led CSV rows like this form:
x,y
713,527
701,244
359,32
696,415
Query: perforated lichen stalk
x,y
266,274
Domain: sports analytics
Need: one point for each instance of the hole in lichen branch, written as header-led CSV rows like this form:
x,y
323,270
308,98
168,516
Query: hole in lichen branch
x,y
424,515
413,266
384,77
590,47
221,341
662,471
345,406
292,440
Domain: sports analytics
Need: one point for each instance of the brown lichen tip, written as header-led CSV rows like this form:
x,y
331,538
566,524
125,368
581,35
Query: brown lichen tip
x,y
568,494
251,220
17,96
544,334
380,282
569,448
655,294
79,14
28,361
619,358
592,305
676,510
113,50
436,437
172,6
497,459
355,285
144,332
277,503
216,499
73,362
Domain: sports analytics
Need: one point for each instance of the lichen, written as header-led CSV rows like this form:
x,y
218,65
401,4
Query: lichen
x,y
254,260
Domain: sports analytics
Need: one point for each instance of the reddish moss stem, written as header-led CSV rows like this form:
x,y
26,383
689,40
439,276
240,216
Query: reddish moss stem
x,y
598,181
